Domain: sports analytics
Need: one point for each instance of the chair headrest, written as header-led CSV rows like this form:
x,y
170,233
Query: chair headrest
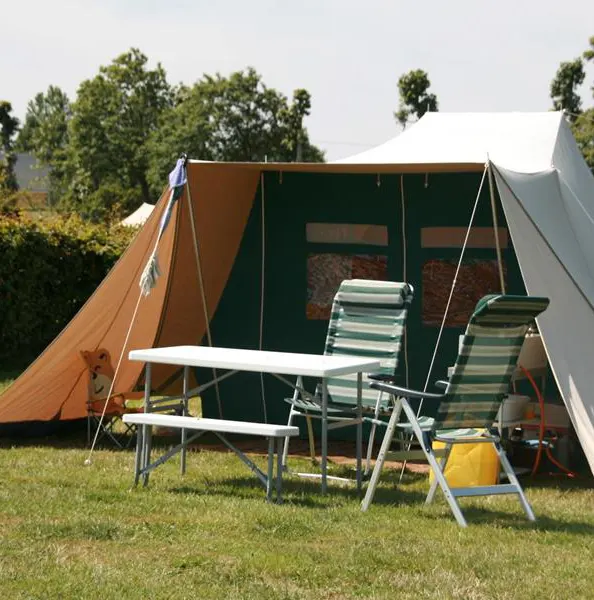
x,y
369,291
508,309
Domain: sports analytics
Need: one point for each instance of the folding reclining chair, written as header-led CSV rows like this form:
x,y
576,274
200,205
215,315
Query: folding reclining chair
x,y
367,320
107,423
100,377
473,395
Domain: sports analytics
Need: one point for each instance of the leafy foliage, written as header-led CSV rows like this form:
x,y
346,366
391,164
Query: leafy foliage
x,y
564,95
235,118
415,98
48,271
45,134
568,78
8,128
112,119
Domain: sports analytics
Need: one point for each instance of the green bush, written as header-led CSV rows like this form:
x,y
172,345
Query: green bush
x,y
48,270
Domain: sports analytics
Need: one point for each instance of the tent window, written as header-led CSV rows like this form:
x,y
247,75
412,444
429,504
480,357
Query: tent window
x,y
476,279
326,271
346,233
453,237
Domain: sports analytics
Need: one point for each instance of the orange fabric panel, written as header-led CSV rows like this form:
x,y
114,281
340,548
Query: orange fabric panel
x,y
222,200
55,386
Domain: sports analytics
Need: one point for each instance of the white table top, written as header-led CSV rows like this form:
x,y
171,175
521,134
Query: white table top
x,y
259,361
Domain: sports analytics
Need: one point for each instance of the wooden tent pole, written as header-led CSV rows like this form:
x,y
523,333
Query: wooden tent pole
x,y
201,286
496,228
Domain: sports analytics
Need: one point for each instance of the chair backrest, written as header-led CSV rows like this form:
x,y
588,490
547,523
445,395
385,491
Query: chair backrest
x,y
487,360
367,320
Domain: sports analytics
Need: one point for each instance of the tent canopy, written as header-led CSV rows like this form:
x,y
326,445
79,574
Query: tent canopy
x,y
547,195
139,216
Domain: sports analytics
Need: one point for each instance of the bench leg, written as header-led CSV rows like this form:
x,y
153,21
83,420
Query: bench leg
x,y
147,453
270,469
138,457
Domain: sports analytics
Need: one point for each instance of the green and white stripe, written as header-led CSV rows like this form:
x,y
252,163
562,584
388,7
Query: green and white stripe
x,y
487,360
367,320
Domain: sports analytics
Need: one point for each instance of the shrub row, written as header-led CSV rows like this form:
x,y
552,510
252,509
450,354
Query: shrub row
x,y
48,269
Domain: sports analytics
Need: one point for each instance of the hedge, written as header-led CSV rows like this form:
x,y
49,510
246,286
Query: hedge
x,y
47,271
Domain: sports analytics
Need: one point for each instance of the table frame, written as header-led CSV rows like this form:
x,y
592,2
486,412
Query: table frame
x,y
343,365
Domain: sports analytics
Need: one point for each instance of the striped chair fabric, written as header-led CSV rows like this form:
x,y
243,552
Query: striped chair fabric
x,y
487,360
367,320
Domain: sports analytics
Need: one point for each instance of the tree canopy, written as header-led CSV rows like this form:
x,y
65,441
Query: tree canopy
x,y
8,128
415,98
113,146
235,118
564,93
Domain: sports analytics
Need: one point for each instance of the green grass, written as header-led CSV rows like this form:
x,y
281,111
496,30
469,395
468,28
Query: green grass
x,y
74,531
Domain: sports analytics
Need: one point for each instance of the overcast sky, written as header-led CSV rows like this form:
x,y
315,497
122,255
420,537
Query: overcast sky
x,y
480,56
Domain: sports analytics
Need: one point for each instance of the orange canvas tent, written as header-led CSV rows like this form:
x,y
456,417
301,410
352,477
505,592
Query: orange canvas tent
x,y
257,249
55,386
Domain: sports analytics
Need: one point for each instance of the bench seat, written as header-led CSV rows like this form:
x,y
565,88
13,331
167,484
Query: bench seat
x,y
275,434
215,425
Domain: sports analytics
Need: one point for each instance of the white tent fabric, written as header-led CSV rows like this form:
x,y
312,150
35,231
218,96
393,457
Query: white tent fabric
x,y
139,216
547,192
524,142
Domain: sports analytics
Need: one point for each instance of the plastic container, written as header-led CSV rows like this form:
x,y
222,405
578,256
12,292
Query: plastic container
x,y
470,465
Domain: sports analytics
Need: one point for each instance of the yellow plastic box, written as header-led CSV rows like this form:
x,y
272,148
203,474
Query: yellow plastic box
x,y
470,465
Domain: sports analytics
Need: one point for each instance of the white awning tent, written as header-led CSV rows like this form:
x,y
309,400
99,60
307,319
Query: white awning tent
x,y
547,193
139,216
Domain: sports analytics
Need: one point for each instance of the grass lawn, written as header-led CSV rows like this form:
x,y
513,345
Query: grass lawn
x,y
74,531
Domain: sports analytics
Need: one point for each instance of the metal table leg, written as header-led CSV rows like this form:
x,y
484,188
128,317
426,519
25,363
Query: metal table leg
x,y
324,435
146,429
359,442
184,433
270,469
279,469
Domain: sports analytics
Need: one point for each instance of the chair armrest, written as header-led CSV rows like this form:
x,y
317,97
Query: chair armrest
x,y
441,384
381,377
404,392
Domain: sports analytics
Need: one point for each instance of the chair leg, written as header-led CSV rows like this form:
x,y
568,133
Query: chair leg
x,y
370,449
292,413
425,441
310,435
442,465
512,478
381,459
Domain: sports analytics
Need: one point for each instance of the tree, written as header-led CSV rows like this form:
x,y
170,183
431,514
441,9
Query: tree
x,y
112,119
45,135
415,98
45,130
568,78
8,128
235,118
564,94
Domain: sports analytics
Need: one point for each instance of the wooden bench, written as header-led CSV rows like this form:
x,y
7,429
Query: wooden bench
x,y
219,427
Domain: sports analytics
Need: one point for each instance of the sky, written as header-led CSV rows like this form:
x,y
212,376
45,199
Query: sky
x,y
480,56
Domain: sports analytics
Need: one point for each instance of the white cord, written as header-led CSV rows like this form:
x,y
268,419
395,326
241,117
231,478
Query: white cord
x,y
117,369
262,293
445,314
404,274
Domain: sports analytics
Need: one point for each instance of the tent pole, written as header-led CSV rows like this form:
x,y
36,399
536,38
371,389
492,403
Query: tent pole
x,y
201,286
496,228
